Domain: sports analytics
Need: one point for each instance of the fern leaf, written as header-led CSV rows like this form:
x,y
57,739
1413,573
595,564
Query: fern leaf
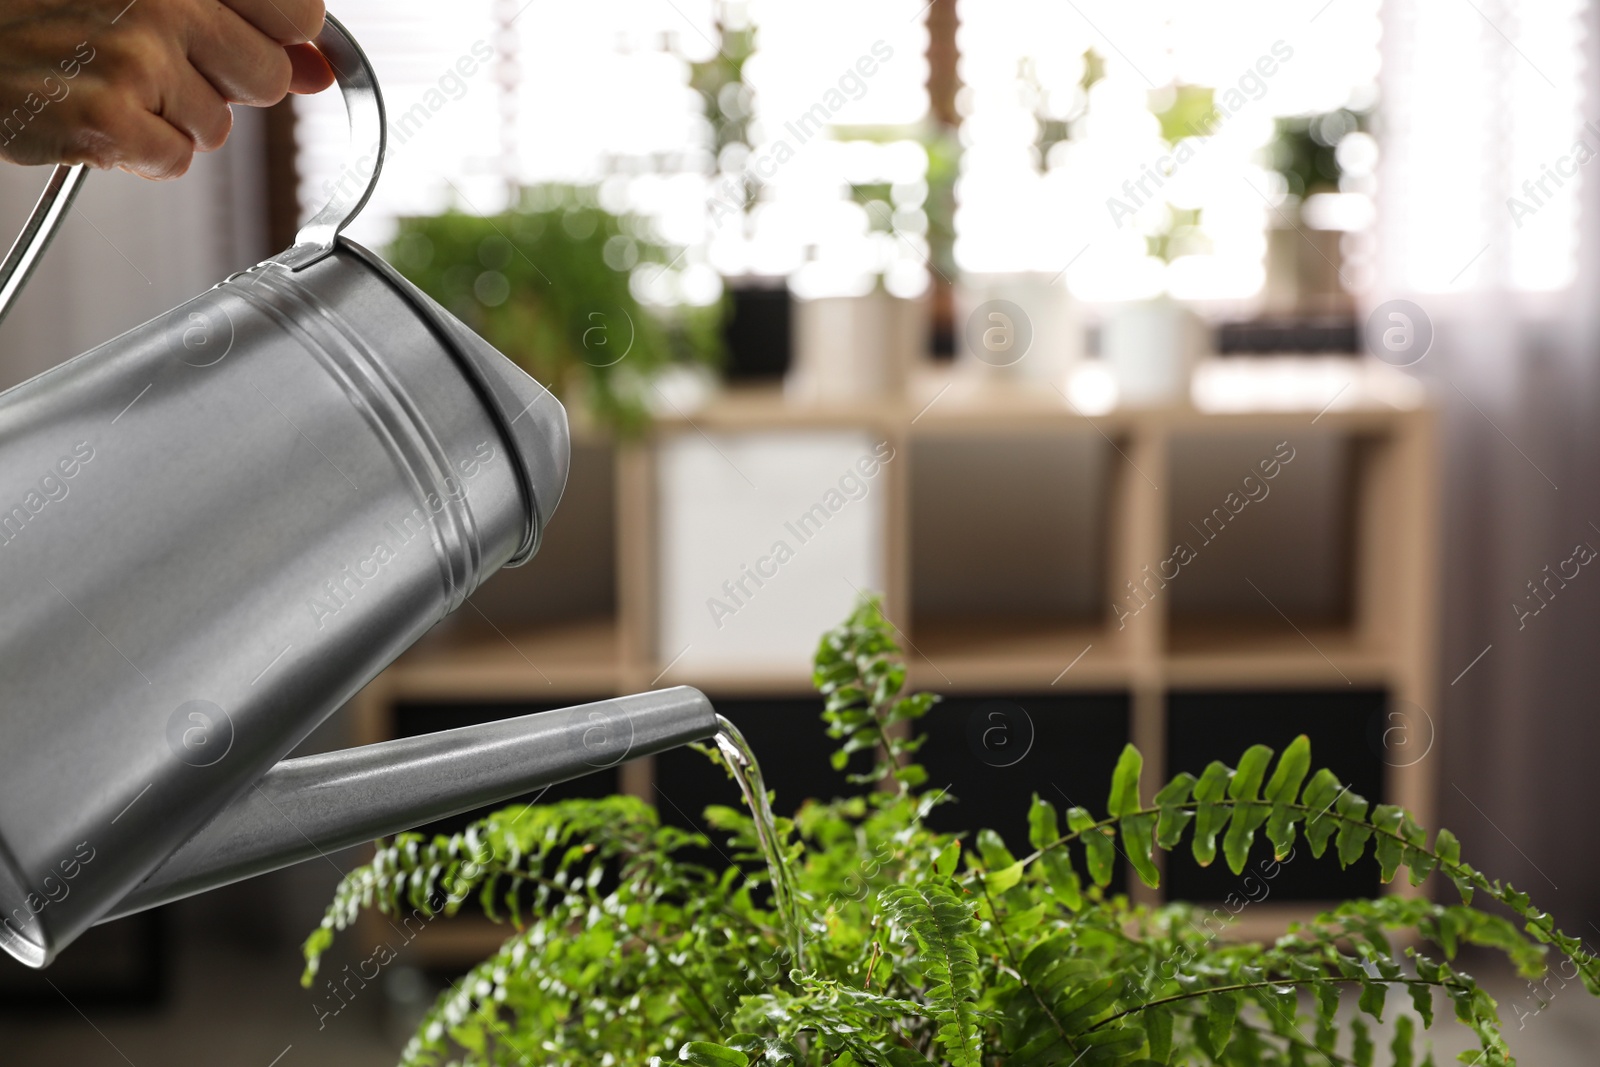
x,y
1291,770
1174,818
944,929
1422,1002
1282,791
1247,814
992,847
706,1054
1322,792
1327,996
1043,829
1158,1031
1124,799
1361,1047
1210,816
1389,850
1216,1029
1404,1037
1064,884
1354,832
1110,1048
1138,842
1098,845
1373,995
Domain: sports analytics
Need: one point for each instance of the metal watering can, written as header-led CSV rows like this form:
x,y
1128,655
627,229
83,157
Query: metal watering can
x,y
215,529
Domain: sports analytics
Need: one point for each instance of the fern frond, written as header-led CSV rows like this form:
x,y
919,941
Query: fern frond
x,y
860,674
518,857
1237,804
944,930
1225,798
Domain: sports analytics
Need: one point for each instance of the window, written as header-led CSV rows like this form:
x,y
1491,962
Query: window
x,y
1125,144
1127,148
1488,145
484,97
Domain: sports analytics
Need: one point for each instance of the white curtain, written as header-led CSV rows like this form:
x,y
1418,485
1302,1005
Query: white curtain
x,y
1490,209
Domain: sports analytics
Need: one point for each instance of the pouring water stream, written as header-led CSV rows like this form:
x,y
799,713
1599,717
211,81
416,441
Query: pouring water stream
x,y
741,761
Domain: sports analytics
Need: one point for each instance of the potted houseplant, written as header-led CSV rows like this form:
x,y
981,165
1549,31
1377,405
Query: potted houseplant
x,y
883,942
1305,253
1152,346
553,284
860,330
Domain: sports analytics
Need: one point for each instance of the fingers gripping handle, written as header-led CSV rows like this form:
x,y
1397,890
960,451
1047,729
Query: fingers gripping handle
x,y
368,127
354,75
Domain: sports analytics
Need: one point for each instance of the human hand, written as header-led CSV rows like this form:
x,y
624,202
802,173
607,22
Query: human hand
x,y
142,86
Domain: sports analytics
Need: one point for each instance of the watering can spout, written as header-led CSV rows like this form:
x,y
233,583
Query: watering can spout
x,y
313,805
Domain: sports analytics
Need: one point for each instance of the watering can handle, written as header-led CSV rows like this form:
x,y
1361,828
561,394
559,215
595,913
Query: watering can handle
x,y
353,73
368,126
54,203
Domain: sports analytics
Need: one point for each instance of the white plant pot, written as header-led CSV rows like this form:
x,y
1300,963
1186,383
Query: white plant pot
x,y
854,347
1018,327
1152,348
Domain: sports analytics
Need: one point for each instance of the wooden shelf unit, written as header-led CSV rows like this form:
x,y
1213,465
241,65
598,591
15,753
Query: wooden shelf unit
x,y
1384,639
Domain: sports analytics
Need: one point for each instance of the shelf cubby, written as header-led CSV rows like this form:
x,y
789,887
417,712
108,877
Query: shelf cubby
x,y
1005,569
1008,526
1266,523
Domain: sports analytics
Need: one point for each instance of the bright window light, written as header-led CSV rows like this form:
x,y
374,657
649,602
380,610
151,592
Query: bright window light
x,y
1067,165
1476,200
601,94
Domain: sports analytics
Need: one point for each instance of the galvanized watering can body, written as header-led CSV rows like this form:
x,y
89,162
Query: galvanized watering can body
x,y
214,530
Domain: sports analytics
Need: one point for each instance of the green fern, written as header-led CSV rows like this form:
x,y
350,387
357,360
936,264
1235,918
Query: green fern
x,y
860,673
927,948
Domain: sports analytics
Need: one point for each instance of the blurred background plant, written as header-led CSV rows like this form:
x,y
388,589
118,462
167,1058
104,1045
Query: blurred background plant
x,y
1185,112
729,103
555,284
1305,149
